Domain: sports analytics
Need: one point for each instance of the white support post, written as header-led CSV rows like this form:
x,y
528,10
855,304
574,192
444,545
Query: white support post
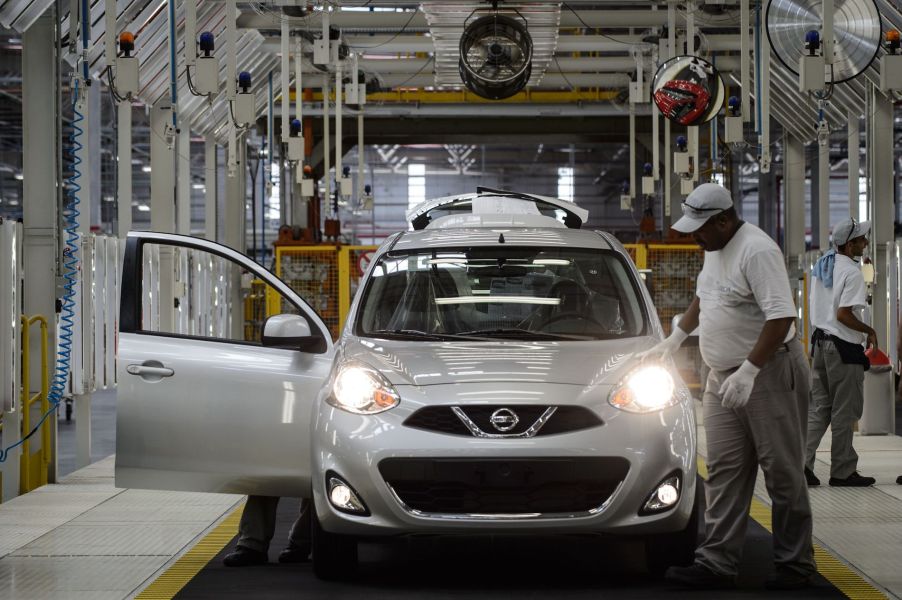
x,y
162,203
284,75
338,129
692,132
232,80
124,167
190,33
327,179
210,185
40,167
183,203
794,186
880,159
744,59
668,139
823,194
632,159
764,140
360,156
854,164
109,34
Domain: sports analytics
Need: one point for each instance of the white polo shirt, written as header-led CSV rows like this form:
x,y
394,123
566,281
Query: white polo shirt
x,y
739,288
848,291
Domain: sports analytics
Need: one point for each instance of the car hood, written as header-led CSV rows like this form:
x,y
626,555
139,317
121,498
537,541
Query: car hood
x,y
438,363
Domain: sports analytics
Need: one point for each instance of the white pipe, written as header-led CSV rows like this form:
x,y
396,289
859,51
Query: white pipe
x,y
231,80
124,167
109,35
632,161
190,32
298,88
338,128
744,59
854,142
360,154
286,90
327,158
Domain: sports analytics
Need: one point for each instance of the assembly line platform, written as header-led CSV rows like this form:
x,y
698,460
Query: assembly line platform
x,y
83,538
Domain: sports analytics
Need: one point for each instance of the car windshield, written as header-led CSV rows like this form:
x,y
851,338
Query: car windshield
x,y
510,292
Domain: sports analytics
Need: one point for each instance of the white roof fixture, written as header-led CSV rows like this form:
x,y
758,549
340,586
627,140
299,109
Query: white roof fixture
x,y
496,208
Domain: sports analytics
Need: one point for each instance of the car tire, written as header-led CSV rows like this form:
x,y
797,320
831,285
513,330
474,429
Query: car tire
x,y
677,548
334,555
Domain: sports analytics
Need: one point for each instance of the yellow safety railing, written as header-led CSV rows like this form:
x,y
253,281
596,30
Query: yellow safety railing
x,y
33,467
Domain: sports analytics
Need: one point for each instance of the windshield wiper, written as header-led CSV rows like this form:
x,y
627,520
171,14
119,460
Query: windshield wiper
x,y
517,333
416,334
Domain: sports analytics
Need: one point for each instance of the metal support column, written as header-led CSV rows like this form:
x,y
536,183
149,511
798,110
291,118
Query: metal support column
x,y
210,184
124,147
40,160
234,236
880,154
854,141
823,193
814,164
794,204
183,181
162,201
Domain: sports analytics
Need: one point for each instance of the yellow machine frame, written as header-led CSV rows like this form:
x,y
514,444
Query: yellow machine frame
x,y
33,467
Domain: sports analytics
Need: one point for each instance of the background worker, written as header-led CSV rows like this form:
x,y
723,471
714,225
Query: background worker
x,y
258,525
838,300
755,398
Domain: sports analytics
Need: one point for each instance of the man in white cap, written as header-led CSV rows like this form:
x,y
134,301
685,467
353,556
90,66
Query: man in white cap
x,y
755,398
838,299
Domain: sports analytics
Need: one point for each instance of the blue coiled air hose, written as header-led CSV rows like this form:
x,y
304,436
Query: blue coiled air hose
x,y
70,273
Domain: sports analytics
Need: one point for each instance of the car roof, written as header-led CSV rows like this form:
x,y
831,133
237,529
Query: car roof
x,y
481,236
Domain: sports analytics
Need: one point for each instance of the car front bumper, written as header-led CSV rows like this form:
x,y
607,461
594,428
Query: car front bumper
x,y
652,446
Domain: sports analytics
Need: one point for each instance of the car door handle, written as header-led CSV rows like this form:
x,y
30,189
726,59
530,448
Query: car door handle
x,y
145,370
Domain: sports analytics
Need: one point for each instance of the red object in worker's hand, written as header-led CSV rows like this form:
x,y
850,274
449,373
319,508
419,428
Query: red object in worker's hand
x,y
877,357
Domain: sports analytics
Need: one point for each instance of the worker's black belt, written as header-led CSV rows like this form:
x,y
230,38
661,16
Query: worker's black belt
x,y
849,353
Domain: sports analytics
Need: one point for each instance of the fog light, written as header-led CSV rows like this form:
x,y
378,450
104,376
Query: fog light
x,y
664,496
343,497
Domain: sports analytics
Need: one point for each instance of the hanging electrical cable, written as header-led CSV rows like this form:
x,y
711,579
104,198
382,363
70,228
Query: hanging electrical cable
x,y
70,274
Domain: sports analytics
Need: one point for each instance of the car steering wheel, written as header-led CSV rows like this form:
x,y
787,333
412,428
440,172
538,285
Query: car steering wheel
x,y
568,315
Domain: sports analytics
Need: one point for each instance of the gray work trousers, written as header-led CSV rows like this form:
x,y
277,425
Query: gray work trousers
x,y
837,400
768,431
258,524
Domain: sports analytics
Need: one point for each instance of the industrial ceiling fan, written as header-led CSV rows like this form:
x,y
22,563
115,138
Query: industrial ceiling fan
x,y
792,25
495,55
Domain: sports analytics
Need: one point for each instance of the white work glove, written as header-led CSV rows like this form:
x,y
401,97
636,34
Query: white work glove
x,y
736,389
666,347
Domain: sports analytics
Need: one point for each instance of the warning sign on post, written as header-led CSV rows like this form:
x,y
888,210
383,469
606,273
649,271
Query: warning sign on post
x,y
363,262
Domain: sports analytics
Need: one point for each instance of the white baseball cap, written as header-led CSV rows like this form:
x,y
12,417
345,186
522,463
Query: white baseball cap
x,y
849,229
704,202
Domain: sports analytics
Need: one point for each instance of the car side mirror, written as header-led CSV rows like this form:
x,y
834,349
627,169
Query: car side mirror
x,y
291,332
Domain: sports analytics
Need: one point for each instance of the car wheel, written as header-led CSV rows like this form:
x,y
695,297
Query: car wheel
x,y
334,556
677,548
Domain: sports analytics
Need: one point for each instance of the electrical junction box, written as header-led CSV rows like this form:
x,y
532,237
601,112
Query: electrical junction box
x,y
625,202
366,202
733,130
355,93
245,109
306,188
638,92
686,186
205,75
321,52
811,74
648,185
891,72
127,75
295,149
345,186
681,162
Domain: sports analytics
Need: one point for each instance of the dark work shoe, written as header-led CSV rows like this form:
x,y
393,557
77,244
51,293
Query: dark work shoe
x,y
853,480
294,554
244,557
811,478
699,576
786,579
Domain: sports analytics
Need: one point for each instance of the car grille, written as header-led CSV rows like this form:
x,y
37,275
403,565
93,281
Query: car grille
x,y
548,486
442,419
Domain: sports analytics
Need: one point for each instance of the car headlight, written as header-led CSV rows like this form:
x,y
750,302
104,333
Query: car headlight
x,y
647,389
361,389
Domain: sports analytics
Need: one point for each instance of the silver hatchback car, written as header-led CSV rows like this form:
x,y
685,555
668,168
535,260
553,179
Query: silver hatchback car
x,y
485,382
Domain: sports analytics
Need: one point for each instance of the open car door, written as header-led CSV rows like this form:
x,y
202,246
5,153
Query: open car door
x,y
206,401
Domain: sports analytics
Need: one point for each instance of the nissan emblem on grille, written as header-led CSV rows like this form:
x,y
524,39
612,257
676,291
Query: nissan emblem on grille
x,y
504,419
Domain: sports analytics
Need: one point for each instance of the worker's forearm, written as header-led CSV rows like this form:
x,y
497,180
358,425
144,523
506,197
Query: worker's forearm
x,y
689,320
770,338
845,316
